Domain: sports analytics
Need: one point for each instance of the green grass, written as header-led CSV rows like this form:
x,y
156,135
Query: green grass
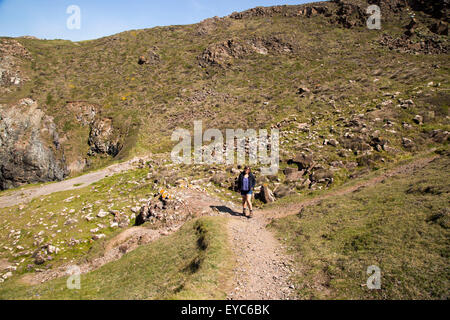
x,y
48,214
193,263
401,226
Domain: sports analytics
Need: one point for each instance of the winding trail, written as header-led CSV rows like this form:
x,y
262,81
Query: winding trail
x,y
294,208
22,196
262,268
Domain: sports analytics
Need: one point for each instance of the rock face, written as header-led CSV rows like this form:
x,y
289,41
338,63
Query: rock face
x,y
256,12
102,138
29,146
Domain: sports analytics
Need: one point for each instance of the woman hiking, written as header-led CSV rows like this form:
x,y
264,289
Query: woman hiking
x,y
246,183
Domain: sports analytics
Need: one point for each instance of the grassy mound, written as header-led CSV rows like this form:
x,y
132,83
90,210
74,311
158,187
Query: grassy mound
x,y
400,225
190,264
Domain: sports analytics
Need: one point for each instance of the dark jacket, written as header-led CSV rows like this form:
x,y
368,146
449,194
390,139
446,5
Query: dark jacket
x,y
251,181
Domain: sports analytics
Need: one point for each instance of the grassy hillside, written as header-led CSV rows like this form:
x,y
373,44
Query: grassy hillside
x,y
401,226
349,102
349,71
193,263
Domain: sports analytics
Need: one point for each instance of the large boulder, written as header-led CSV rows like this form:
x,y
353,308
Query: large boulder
x,y
283,191
303,161
266,194
293,174
30,150
321,176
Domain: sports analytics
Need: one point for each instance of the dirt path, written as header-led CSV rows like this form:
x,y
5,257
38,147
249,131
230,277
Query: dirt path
x,y
23,196
294,208
262,268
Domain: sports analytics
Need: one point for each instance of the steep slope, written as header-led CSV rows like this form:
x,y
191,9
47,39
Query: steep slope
x,y
349,102
314,70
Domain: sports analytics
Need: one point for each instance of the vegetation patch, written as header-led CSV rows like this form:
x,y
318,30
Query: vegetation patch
x,y
193,263
400,225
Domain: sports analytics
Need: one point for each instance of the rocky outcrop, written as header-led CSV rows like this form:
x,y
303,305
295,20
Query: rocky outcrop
x,y
350,15
257,12
103,138
29,146
209,26
161,208
222,54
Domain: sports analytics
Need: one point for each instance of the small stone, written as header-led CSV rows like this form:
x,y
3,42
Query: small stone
x,y
418,119
98,236
102,213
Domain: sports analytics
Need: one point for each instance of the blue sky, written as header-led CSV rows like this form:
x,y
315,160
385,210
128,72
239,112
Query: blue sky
x,y
46,19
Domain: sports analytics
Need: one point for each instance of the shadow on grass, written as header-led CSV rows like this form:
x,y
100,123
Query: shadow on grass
x,y
225,209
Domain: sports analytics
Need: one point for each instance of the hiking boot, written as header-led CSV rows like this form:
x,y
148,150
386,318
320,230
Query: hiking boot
x,y
244,212
251,214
